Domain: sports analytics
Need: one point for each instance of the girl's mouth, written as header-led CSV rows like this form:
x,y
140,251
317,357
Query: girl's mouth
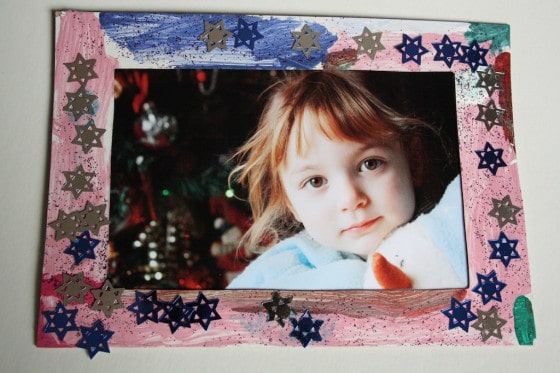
x,y
361,227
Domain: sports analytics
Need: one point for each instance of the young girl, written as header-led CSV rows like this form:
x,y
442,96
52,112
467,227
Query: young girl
x,y
332,174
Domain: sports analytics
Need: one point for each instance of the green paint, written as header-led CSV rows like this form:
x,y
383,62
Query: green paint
x,y
497,33
524,321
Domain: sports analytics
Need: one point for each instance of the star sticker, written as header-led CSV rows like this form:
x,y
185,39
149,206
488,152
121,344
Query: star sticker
x,y
306,40
489,287
88,136
176,314
306,329
473,55
107,299
79,103
459,314
490,158
490,80
146,307
95,339
215,35
73,288
92,217
411,49
204,310
278,308
490,115
246,34
447,51
78,181
82,247
504,211
369,42
65,226
60,321
504,249
489,324
81,70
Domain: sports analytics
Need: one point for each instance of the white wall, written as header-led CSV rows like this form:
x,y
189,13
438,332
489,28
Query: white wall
x,y
26,41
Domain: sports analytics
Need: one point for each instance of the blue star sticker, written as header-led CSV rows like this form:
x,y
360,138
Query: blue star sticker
x,y
459,314
204,310
490,158
473,55
176,314
411,49
95,339
306,329
60,321
489,287
146,307
504,249
246,34
447,51
82,248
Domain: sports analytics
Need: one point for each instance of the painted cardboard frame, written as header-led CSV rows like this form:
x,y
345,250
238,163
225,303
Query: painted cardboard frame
x,y
89,46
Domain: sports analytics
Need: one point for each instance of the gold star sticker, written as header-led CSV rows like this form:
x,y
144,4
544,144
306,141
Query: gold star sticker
x,y
81,70
65,226
93,217
215,35
369,43
107,299
78,181
306,40
504,211
79,103
73,288
88,136
489,323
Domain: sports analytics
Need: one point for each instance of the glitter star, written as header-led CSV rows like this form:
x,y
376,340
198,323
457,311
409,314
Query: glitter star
x,y
60,321
459,314
92,217
490,80
107,299
278,308
489,323
306,40
146,307
489,287
82,247
412,49
88,136
95,339
176,314
81,70
79,103
78,181
246,34
73,288
204,310
215,35
490,115
504,249
369,42
504,211
490,158
473,55
447,51
65,226
306,329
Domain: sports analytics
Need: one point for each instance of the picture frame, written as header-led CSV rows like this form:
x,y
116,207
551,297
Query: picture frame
x,y
79,307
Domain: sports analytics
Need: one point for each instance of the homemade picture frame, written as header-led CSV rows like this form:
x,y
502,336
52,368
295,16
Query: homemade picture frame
x,y
79,307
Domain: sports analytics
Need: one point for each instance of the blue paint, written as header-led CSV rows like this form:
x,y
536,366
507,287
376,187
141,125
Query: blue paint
x,y
172,41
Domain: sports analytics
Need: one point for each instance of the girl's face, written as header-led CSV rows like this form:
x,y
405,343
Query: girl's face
x,y
348,195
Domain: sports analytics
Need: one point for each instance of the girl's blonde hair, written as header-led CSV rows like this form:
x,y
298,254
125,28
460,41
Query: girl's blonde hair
x,y
352,113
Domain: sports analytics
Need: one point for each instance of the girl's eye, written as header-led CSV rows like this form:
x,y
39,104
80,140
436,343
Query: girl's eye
x,y
370,164
315,182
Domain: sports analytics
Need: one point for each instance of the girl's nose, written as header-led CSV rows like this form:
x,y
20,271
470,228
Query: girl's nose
x,y
351,196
